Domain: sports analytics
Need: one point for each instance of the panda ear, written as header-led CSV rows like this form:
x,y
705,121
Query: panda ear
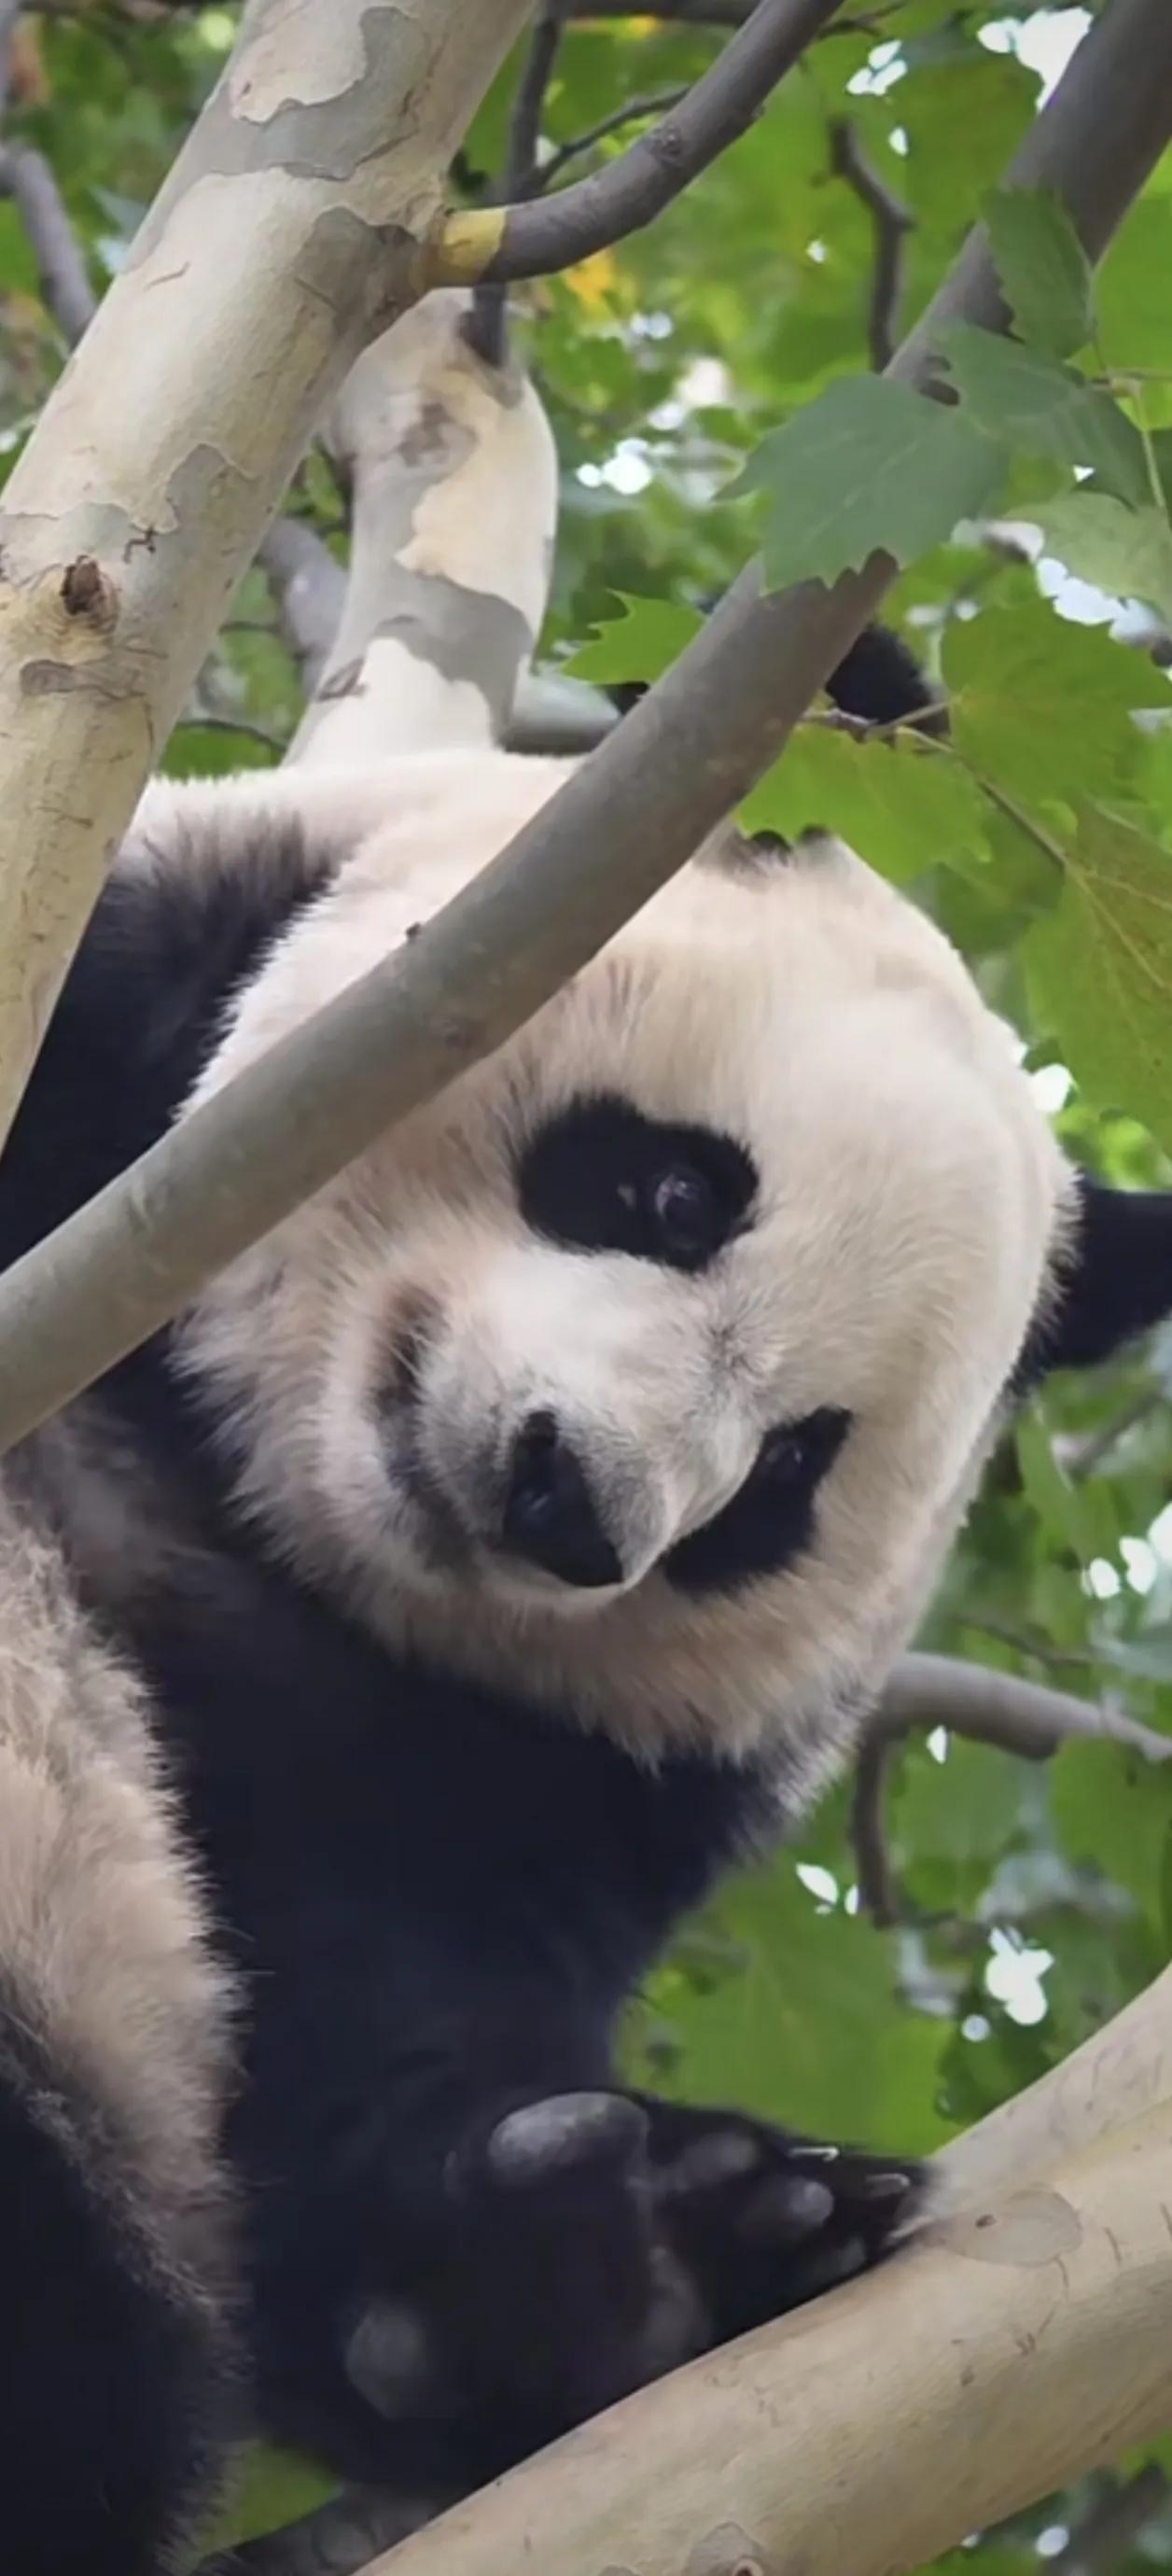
x,y
1115,1282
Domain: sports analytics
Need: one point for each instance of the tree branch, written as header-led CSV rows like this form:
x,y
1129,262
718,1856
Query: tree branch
x,y
878,1884
452,471
521,168
287,234
1000,2395
1013,2344
535,238
892,222
636,112
487,320
615,831
1000,1708
28,178
989,1707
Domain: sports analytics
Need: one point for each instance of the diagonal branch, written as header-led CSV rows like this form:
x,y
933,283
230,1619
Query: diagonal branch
x,y
618,828
532,239
1011,2346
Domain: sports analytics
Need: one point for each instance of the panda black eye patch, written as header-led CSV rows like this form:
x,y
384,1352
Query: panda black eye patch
x,y
603,1178
770,1522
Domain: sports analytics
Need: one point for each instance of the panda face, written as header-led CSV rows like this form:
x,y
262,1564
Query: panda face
x,y
650,1368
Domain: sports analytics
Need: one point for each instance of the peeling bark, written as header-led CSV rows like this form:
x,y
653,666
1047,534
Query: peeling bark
x,y
453,475
289,232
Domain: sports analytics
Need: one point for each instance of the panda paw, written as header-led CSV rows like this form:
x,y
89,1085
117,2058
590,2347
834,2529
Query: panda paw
x,y
600,2239
762,2220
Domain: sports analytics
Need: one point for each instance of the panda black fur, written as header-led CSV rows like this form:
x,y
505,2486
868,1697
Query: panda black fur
x,y
502,1549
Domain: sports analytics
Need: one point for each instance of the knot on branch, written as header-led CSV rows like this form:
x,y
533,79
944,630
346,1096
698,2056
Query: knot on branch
x,y
87,591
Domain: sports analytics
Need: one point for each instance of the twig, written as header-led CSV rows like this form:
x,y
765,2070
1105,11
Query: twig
x,y
1028,1642
1001,1708
1084,1456
487,325
1107,2534
988,1707
878,1885
534,239
618,828
636,112
521,168
28,178
891,221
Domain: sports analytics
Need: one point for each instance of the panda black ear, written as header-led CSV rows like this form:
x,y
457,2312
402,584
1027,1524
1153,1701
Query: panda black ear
x,y
1116,1282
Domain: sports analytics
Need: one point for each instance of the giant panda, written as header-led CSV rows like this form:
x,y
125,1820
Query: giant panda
x,y
394,1649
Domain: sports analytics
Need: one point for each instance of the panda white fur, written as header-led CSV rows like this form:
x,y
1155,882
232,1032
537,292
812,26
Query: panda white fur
x,y
392,1651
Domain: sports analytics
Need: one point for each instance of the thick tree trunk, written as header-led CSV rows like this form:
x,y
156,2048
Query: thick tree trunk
x,y
291,230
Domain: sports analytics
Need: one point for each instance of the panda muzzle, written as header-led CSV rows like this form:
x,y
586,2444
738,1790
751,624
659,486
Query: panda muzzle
x,y
551,1518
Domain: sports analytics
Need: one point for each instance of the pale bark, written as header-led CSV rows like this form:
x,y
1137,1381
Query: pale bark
x,y
1011,2346
289,231
452,473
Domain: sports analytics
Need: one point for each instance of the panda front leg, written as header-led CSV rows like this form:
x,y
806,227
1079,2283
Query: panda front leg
x,y
602,2238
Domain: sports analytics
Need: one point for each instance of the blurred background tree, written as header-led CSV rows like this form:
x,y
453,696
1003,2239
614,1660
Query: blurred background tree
x,y
955,1921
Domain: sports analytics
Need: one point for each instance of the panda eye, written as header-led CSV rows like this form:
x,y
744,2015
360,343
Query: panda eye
x,y
798,1453
603,1178
782,1457
685,1213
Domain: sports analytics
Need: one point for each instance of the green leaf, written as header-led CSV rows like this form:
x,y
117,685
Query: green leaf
x,y
1113,1808
1131,292
1100,969
1044,707
960,1810
870,467
1029,400
275,2488
903,808
650,635
964,116
1044,270
1127,553
1064,1508
756,2034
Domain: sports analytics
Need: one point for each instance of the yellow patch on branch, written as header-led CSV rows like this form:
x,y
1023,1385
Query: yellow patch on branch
x,y
466,242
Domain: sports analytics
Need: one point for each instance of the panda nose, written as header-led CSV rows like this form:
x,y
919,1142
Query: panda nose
x,y
550,1517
